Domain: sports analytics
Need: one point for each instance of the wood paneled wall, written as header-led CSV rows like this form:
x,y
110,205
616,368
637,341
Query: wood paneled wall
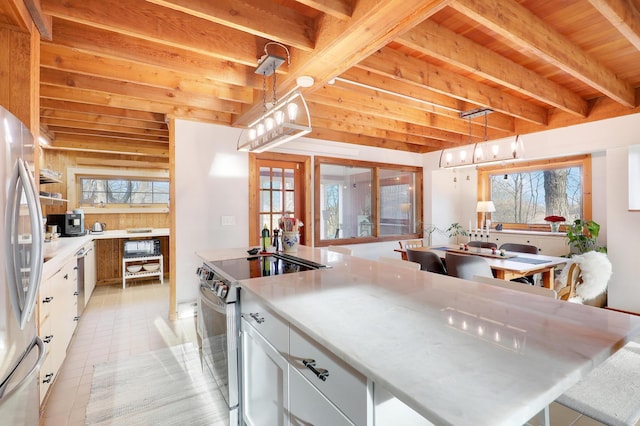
x,y
109,254
61,160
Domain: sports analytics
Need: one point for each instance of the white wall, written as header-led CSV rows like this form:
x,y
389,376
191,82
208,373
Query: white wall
x,y
212,180
607,142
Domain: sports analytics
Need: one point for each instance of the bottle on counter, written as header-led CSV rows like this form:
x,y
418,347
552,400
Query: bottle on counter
x,y
266,238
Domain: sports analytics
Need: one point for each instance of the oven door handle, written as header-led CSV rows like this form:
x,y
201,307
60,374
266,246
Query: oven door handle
x,y
212,300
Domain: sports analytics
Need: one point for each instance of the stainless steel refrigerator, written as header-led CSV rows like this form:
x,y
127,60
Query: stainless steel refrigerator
x,y
21,259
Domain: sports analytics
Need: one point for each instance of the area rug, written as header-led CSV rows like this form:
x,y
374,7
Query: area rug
x,y
163,387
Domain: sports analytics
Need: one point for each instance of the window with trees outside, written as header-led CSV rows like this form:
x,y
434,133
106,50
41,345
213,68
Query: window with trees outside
x,y
364,201
524,194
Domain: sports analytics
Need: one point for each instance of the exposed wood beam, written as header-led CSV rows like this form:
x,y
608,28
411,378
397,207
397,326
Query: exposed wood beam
x,y
360,139
67,59
263,19
341,9
16,14
83,119
518,25
347,118
112,145
434,40
138,18
339,43
68,79
397,65
55,123
132,137
41,21
121,101
117,113
622,14
384,88
393,110
111,44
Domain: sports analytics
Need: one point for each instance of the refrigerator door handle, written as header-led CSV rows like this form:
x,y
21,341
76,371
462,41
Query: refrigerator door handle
x,y
27,377
36,259
23,300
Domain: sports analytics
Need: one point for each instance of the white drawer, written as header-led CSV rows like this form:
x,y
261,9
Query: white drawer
x,y
270,325
307,406
343,385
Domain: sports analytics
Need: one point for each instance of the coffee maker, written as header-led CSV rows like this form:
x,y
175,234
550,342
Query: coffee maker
x,y
69,224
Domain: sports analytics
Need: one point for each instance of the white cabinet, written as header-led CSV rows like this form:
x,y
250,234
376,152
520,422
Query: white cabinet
x,y
547,243
309,406
264,382
150,266
90,274
57,319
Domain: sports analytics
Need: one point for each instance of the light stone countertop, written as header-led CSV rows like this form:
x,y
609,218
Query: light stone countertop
x,y
457,352
58,251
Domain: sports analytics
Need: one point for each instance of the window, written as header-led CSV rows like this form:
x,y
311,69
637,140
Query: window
x,y
524,194
118,190
363,201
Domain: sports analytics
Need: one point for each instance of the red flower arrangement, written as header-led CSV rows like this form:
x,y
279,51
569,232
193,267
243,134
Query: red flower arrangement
x,y
554,219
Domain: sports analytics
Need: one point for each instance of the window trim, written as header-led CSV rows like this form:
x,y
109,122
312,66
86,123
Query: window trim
x,y
583,161
375,202
73,173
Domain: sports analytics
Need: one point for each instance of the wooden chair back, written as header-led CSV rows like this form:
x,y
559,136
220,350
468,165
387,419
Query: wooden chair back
x,y
411,244
573,279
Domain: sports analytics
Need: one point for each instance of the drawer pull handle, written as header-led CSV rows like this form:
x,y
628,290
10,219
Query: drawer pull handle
x,y
257,318
47,299
47,378
320,373
48,339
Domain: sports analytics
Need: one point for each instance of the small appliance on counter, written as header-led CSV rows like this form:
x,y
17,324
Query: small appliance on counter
x,y
98,228
69,224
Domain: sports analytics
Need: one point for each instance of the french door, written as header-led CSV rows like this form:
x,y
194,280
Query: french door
x,y
278,188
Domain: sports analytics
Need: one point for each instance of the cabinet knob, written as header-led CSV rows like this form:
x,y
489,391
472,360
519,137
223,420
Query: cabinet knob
x,y
48,339
66,276
47,299
47,378
321,373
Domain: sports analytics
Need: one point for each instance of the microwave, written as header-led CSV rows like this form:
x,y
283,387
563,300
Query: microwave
x,y
141,248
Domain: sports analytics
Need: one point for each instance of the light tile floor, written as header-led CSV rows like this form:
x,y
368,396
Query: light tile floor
x,y
119,323
116,324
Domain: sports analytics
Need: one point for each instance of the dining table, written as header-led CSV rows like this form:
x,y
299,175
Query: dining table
x,y
507,265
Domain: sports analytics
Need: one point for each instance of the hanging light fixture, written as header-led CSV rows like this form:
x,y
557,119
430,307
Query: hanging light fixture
x,y
499,150
284,119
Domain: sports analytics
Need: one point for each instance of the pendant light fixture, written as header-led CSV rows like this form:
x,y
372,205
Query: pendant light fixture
x,y
499,150
283,119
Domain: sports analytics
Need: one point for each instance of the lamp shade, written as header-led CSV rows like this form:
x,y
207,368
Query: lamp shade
x,y
486,207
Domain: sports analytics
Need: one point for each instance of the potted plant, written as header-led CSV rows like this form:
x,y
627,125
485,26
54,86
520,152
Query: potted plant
x,y
583,237
456,230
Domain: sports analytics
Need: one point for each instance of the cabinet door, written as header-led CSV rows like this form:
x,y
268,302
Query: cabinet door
x,y
89,271
309,407
265,380
553,246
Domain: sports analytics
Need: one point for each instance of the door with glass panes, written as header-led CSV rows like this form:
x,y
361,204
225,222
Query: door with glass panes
x,y
280,190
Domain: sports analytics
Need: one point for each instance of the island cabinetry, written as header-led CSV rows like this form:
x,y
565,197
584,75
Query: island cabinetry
x,y
57,319
341,390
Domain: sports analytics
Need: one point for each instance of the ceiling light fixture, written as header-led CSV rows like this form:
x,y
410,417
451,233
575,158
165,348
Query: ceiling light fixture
x,y
283,120
496,151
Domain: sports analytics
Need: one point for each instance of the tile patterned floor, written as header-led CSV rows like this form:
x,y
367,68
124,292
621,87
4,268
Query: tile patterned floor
x,y
116,324
119,323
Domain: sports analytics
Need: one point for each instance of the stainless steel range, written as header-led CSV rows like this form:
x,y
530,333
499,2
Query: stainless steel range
x,y
218,319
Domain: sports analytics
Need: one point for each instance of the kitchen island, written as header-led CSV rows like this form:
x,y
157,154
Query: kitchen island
x,y
456,352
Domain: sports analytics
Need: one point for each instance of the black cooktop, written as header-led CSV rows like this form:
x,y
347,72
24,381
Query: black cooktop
x,y
262,266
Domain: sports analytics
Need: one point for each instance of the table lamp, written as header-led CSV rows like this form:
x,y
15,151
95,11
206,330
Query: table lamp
x,y
485,207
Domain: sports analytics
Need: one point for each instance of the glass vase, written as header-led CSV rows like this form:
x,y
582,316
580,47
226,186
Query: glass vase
x,y
555,227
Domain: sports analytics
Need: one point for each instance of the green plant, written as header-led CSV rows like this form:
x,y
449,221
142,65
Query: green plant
x,y
583,236
456,230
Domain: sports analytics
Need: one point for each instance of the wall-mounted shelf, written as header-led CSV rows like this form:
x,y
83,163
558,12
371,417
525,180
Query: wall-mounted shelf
x,y
52,201
49,177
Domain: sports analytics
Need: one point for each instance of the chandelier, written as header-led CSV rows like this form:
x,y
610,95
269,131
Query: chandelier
x,y
283,119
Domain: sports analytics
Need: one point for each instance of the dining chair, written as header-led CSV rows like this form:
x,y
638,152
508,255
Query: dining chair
x,y
428,260
411,244
520,248
586,276
482,244
467,266
340,249
541,291
399,262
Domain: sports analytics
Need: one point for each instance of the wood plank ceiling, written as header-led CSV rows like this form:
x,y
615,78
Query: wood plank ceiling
x,y
394,74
